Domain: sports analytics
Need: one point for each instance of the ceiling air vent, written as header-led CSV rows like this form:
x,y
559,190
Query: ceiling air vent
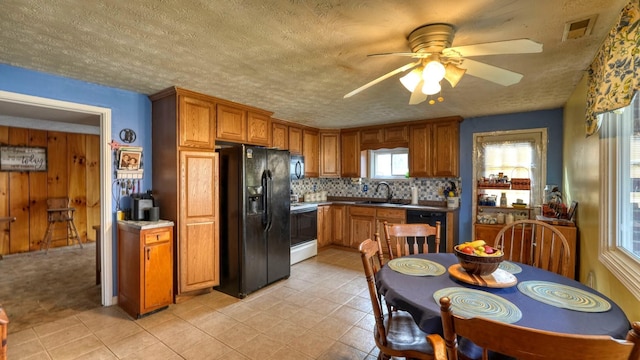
x,y
579,28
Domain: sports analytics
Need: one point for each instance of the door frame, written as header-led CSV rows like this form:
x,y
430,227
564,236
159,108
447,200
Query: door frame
x,y
106,213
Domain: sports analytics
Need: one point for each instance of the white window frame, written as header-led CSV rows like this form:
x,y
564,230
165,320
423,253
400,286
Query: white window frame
x,y
372,160
623,265
512,135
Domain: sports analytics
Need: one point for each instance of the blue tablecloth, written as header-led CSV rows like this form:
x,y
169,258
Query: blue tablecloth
x,y
415,295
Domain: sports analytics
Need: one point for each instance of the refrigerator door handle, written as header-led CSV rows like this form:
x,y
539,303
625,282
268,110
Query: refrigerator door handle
x,y
267,208
265,201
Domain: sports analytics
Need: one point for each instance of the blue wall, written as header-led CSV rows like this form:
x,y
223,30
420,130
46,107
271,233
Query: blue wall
x,y
550,119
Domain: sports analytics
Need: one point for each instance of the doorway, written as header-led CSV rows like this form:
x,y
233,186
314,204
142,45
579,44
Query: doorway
x,y
38,108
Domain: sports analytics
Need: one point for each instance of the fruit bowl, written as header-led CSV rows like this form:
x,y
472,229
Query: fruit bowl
x,y
478,263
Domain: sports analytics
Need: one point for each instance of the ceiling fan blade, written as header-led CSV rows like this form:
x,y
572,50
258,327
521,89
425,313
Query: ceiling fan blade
x,y
489,72
383,77
417,96
518,46
420,55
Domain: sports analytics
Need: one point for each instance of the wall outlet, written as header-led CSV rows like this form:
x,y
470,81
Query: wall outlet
x,y
356,181
365,188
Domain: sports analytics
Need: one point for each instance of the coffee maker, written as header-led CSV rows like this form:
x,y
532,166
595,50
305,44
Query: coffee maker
x,y
142,208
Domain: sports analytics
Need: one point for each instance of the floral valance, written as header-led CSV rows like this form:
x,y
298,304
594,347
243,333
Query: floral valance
x,y
614,75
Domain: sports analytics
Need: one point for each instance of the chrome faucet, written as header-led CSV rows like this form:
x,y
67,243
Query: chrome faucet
x,y
389,194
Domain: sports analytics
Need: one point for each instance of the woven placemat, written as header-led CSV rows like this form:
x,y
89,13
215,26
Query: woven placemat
x,y
471,303
564,296
510,267
416,267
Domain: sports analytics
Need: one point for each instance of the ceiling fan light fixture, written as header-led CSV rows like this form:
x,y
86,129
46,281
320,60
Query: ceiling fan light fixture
x,y
411,80
431,88
453,74
433,71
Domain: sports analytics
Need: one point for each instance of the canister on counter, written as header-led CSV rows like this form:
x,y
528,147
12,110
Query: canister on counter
x,y
509,218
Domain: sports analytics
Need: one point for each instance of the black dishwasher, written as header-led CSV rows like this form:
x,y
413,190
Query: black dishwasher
x,y
430,217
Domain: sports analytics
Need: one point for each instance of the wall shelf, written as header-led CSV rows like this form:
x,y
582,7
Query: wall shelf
x,y
129,174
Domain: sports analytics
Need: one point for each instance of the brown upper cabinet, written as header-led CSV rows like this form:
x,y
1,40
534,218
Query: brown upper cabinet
x,y
330,153
295,140
232,123
384,137
434,148
396,136
258,129
279,135
197,119
311,152
371,138
350,160
239,124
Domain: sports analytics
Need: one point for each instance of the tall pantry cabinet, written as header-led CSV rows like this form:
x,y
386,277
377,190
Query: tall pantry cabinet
x,y
185,184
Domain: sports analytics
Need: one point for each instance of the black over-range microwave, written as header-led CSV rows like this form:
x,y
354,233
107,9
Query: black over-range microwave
x,y
297,167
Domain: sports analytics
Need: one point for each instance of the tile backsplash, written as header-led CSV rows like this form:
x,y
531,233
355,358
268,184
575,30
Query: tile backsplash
x,y
428,189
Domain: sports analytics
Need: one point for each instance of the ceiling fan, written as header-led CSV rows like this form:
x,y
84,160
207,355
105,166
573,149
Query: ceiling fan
x,y
436,59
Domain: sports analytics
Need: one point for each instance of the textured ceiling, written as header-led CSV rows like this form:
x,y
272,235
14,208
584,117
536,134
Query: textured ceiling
x,y
298,58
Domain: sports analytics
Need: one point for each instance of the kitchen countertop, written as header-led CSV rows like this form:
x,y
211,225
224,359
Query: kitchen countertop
x,y
395,203
144,225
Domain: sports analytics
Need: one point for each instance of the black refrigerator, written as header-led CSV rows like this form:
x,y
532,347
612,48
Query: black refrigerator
x,y
255,240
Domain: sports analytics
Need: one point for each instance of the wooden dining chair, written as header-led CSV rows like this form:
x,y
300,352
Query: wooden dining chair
x,y
531,344
396,333
535,243
405,239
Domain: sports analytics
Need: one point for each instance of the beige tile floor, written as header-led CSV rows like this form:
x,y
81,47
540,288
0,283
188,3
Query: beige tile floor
x,y
321,312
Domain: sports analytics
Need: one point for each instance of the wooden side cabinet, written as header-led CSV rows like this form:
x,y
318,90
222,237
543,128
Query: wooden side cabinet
x,y
145,266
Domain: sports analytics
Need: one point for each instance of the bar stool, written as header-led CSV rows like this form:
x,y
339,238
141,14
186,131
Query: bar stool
x,y
59,211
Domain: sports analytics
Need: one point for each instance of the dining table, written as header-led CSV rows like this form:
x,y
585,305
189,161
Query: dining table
x,y
530,297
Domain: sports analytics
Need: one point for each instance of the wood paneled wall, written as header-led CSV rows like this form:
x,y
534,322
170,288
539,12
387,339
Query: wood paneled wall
x,y
72,171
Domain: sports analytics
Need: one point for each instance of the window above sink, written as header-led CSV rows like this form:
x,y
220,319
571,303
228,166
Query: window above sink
x,y
388,163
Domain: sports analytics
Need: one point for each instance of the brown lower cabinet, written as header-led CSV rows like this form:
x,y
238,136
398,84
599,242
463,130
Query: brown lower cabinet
x,y
365,222
339,225
324,225
145,266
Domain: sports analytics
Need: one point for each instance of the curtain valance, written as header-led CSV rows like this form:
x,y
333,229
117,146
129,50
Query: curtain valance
x,y
614,75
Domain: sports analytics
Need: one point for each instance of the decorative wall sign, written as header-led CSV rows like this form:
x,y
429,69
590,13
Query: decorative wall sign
x,y
127,135
23,158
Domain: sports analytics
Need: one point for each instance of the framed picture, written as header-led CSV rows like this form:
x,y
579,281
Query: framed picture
x,y
23,158
129,160
572,210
